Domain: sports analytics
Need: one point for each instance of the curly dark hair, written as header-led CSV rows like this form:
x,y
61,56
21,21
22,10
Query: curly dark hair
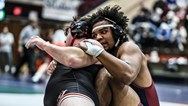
x,y
114,14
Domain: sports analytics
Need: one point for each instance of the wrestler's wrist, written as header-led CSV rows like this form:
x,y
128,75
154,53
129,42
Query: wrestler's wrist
x,y
99,52
93,50
45,46
95,53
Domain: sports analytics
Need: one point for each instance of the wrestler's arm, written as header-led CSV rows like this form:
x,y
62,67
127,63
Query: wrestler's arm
x,y
126,66
70,56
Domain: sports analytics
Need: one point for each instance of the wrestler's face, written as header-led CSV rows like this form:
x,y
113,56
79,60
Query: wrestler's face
x,y
70,38
103,34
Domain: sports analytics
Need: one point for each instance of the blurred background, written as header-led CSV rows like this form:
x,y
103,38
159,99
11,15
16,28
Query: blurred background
x,y
159,27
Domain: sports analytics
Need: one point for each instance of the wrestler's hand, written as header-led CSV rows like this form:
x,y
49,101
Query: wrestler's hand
x,y
91,47
51,67
36,40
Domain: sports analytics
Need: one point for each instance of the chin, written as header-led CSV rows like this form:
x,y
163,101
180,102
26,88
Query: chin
x,y
106,48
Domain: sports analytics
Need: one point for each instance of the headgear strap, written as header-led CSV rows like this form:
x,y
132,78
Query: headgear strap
x,y
102,26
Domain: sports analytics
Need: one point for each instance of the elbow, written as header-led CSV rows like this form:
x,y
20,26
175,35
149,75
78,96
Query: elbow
x,y
127,79
73,62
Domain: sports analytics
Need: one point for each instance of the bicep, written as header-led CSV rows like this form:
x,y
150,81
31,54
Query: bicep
x,y
77,58
84,61
132,57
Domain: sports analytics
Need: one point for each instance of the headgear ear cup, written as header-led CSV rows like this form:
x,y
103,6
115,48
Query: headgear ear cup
x,y
119,34
118,31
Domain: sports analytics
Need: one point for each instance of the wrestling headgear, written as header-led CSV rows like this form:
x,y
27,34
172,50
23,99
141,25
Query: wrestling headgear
x,y
80,29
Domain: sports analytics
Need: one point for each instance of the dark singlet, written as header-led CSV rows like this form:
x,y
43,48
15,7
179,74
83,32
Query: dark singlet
x,y
148,96
80,80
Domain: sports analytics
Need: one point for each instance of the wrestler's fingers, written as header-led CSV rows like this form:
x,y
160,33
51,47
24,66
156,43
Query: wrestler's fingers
x,y
31,41
54,62
48,69
83,46
51,67
28,43
49,72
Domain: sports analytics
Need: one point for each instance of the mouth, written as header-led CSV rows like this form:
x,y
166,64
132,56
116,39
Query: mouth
x,y
105,45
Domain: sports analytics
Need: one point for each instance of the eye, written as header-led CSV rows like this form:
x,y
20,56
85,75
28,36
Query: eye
x,y
103,31
94,35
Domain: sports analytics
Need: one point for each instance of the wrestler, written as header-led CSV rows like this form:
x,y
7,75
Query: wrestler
x,y
72,83
126,95
122,58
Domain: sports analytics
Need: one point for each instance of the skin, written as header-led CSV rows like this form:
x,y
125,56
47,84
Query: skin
x,y
123,95
107,85
69,56
116,96
128,66
130,63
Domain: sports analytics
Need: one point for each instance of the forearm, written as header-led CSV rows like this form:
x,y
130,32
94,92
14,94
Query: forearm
x,y
119,69
70,56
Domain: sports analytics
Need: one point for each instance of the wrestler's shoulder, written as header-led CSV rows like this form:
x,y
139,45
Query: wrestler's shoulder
x,y
130,46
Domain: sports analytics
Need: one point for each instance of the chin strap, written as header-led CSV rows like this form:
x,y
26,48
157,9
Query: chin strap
x,y
117,42
72,41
